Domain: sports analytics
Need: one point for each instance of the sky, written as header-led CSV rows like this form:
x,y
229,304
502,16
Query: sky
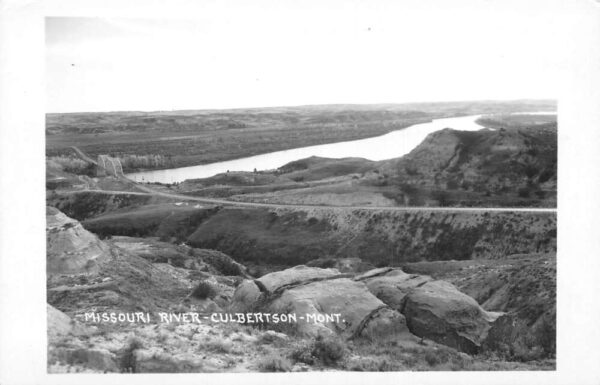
x,y
321,53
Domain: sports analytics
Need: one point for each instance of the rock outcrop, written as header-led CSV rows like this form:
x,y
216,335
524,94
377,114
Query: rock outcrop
x,y
392,285
60,324
375,302
70,248
313,292
436,310
85,272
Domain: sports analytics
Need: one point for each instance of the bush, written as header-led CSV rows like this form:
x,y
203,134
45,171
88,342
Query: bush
x,y
452,184
432,358
327,350
524,192
204,290
372,365
216,346
442,197
518,341
275,364
127,361
223,263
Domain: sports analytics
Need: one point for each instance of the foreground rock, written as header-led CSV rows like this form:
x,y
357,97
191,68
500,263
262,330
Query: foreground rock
x,y
313,292
392,285
71,248
59,324
436,310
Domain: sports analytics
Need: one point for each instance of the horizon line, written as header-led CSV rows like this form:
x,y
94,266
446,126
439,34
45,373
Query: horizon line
x,y
554,100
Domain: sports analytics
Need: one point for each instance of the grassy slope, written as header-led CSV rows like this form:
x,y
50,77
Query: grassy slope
x,y
291,237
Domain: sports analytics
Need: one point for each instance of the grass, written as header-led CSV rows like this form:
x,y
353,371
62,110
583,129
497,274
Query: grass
x,y
217,346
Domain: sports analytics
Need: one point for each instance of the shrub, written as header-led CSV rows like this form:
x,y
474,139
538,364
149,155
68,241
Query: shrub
x,y
327,350
217,346
275,364
223,263
303,354
371,365
204,290
524,192
531,170
128,361
452,184
432,358
442,197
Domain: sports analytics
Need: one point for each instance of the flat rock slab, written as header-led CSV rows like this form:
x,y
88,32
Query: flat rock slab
x,y
296,275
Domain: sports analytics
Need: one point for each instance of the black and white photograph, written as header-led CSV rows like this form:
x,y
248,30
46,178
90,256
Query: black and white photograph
x,y
306,188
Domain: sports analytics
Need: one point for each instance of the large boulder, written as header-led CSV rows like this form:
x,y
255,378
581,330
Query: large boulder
x,y
438,311
71,249
316,296
59,324
246,296
392,285
299,274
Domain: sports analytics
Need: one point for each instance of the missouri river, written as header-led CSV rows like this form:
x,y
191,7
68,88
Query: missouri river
x,y
391,145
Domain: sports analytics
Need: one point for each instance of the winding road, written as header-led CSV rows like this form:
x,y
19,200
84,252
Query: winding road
x,y
149,191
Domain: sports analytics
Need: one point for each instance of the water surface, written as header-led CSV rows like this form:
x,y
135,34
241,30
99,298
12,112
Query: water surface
x,y
391,145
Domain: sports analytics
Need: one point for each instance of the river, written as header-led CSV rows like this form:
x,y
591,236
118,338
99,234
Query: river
x,y
391,145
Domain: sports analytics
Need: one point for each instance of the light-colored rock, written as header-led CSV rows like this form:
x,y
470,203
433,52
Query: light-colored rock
x,y
298,274
385,323
60,324
70,248
245,297
392,285
438,311
321,293
343,296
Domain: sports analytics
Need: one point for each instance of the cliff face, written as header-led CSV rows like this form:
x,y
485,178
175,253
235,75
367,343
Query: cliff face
x,y
287,237
515,164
